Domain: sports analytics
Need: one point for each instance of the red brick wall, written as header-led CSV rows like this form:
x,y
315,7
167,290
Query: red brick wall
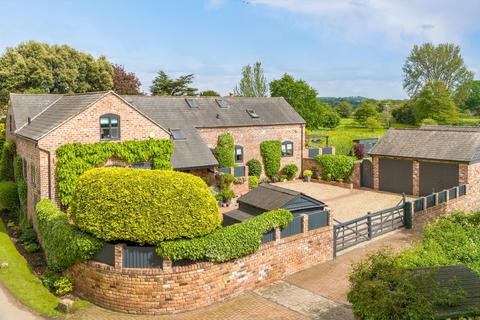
x,y
178,289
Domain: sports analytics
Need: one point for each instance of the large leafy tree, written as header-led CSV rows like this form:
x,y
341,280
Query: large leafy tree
x,y
344,109
125,82
472,102
303,99
434,102
365,111
253,82
437,63
39,67
163,85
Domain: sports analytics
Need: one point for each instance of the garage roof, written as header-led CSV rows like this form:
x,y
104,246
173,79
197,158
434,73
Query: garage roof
x,y
459,144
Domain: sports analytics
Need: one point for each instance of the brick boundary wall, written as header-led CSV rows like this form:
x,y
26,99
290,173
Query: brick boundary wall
x,y
174,289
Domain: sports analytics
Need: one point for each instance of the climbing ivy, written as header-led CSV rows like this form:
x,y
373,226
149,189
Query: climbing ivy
x,y
74,159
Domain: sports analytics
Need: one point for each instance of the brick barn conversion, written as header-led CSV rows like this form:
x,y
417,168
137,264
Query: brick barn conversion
x,y
40,123
425,160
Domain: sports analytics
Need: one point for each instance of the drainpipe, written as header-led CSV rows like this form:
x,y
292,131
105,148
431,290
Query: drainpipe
x,y
303,147
49,171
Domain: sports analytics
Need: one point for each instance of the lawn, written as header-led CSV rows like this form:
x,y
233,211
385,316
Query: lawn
x,y
22,282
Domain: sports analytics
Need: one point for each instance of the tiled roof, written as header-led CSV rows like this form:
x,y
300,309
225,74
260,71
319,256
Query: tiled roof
x,y
268,197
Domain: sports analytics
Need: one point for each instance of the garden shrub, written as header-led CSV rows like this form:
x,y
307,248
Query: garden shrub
x,y
335,167
75,159
359,150
63,286
271,152
8,196
21,190
226,180
290,170
225,150
254,167
252,182
6,161
227,243
64,244
143,206
225,194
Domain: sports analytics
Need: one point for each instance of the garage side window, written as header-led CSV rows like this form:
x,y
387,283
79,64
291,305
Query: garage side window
x,y
109,127
287,149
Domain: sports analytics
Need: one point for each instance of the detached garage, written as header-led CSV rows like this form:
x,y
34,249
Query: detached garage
x,y
425,160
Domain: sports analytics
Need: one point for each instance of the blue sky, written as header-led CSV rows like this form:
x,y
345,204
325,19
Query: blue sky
x,y
341,47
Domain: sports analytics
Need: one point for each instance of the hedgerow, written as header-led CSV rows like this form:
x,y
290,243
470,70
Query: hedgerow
x,y
75,159
64,244
271,152
254,167
21,190
227,243
6,161
335,167
225,150
8,196
143,206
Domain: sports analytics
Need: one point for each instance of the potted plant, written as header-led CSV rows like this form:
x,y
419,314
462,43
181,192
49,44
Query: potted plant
x,y
307,175
225,196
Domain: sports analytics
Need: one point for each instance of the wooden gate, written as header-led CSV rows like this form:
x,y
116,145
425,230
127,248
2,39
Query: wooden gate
x,y
366,174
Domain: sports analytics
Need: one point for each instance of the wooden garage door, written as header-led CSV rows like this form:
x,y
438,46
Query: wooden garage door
x,y
396,175
435,177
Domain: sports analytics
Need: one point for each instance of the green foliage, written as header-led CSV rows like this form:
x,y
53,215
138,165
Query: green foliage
x,y
28,235
405,114
365,111
227,243
290,170
163,85
226,180
434,101
31,247
21,190
344,109
254,167
225,150
429,121
303,98
334,166
8,196
472,102
372,123
225,194
75,159
64,244
307,173
252,182
271,152
143,206
209,93
381,290
52,69
6,161
63,286
253,82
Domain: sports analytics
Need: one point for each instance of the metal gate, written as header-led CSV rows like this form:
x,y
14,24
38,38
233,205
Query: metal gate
x,y
366,174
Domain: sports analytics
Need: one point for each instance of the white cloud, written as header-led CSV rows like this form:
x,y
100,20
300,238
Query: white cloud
x,y
215,4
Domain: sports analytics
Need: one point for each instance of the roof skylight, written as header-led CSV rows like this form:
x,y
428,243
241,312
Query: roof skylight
x,y
192,103
178,134
252,113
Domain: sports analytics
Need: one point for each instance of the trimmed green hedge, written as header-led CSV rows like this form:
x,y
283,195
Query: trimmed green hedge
x,y
6,161
64,244
271,152
8,196
21,190
254,167
290,170
252,182
75,159
143,206
225,150
227,243
335,166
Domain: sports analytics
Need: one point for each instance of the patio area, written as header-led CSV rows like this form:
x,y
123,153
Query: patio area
x,y
346,204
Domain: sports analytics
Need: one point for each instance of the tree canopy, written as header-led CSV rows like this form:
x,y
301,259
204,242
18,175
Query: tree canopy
x,y
209,93
344,109
437,63
253,82
303,98
365,111
163,85
472,102
125,82
434,102
40,67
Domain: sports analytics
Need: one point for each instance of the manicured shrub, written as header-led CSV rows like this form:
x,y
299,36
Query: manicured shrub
x,y
252,182
227,243
335,167
8,196
6,161
226,180
75,159
290,170
225,150
271,152
254,167
22,191
64,244
143,206
225,194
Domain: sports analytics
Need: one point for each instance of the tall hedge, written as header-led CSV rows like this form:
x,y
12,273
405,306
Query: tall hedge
x,y
64,244
75,159
6,161
143,206
225,150
254,168
227,243
271,152
335,166
8,196
21,190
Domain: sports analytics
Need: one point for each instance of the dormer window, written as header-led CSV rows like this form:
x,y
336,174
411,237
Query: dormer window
x,y
110,127
252,113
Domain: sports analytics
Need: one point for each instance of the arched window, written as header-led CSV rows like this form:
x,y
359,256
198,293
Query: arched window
x,y
287,148
238,154
109,127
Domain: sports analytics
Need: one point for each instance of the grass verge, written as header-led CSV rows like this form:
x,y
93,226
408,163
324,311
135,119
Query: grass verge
x,y
22,282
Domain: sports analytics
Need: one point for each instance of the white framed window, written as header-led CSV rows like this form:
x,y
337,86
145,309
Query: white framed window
x,y
110,127
287,149
238,154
